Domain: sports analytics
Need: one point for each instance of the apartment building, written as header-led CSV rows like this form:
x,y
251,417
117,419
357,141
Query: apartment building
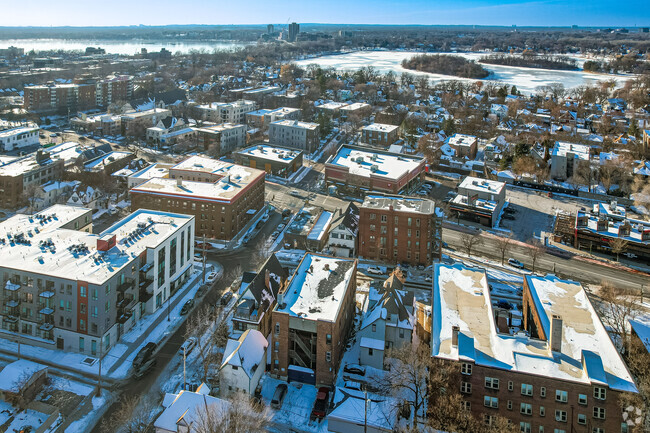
x,y
261,119
66,288
18,137
360,110
221,139
343,233
136,123
358,170
99,124
464,146
379,134
221,196
566,157
295,134
308,230
226,112
16,175
558,372
83,93
398,229
312,319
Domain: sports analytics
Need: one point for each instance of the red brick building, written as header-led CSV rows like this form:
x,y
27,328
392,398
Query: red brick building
x,y
558,372
397,229
312,320
357,170
222,196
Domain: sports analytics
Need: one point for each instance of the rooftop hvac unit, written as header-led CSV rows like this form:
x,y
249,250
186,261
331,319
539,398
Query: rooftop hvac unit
x,y
374,157
374,168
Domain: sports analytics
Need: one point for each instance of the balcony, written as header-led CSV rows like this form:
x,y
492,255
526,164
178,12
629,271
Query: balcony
x,y
128,283
145,284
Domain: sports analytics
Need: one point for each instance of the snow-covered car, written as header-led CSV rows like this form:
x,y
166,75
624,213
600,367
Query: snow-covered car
x,y
188,346
265,218
376,270
354,369
211,277
515,263
427,186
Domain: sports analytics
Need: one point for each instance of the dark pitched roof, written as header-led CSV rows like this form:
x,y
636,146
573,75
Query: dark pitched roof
x,y
267,282
96,151
348,218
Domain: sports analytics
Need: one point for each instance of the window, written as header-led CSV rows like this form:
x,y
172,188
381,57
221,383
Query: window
x,y
492,383
525,427
94,294
561,396
82,291
598,430
373,216
372,227
277,328
526,389
370,352
94,312
328,339
277,346
384,218
542,411
582,418
492,402
328,356
600,393
401,333
374,327
510,385
542,391
509,404
541,429
599,412
559,430
466,405
466,387
624,427
526,409
489,419
466,368
560,415
582,399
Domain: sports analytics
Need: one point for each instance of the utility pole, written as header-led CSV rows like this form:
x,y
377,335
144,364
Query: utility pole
x,y
184,376
168,306
365,410
203,260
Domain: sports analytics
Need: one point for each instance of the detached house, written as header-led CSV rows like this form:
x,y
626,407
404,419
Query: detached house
x,y
388,322
244,363
343,233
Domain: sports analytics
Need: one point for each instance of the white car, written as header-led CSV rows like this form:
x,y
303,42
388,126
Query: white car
x,y
188,346
211,277
376,270
515,263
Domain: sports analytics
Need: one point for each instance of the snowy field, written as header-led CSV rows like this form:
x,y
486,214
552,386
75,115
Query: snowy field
x,y
526,79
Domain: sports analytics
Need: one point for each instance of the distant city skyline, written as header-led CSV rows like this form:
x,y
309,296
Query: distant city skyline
x,y
595,13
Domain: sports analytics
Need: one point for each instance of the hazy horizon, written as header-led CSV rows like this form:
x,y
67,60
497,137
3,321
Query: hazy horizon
x,y
542,13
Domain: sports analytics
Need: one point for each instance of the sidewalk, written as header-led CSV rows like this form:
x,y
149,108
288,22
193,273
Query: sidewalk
x,y
113,363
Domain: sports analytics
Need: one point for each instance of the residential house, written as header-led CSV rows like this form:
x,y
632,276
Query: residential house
x,y
244,363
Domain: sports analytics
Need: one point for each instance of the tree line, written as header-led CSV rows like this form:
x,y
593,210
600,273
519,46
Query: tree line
x,y
446,65
531,61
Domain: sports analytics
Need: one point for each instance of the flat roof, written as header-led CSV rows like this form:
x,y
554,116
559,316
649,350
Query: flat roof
x,y
361,161
332,105
462,140
483,185
461,297
271,153
355,106
579,151
296,124
152,171
19,130
401,203
55,251
317,287
381,127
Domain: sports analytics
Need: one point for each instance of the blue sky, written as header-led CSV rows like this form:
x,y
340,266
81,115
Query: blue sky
x,y
479,12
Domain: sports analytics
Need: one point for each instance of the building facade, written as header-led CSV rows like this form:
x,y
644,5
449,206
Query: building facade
x,y
295,134
379,134
274,160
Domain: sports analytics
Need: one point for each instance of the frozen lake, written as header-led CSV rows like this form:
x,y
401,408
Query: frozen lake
x,y
526,79
127,47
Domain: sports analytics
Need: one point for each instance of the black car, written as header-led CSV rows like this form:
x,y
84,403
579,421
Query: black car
x,y
187,307
354,369
226,298
286,212
504,304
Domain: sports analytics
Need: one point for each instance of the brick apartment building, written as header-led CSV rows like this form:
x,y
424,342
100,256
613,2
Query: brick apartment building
x,y
83,93
312,319
559,372
295,134
378,134
222,196
17,175
400,230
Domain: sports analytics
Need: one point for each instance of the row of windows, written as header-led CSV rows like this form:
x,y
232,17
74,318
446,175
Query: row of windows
x,y
527,409
525,427
384,218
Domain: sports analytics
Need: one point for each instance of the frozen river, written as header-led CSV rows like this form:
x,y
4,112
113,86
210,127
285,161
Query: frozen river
x,y
526,79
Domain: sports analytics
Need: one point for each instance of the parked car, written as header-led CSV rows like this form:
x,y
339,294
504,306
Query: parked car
x,y
320,405
226,297
422,192
281,226
265,218
286,213
507,216
211,277
295,193
427,186
275,234
188,346
187,307
504,304
516,263
352,385
278,396
355,369
375,270
145,359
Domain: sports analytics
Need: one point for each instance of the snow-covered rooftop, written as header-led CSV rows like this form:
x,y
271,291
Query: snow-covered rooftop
x,y
380,127
461,297
579,151
16,374
271,153
462,140
367,163
247,352
483,185
317,287
186,406
296,124
401,203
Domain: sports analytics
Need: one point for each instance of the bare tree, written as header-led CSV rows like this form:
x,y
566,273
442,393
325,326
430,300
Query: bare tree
x,y
504,243
535,250
238,415
132,416
202,326
618,245
30,194
616,308
469,241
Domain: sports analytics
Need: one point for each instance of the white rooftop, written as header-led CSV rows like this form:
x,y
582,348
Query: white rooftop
x,y
462,140
579,151
152,171
271,153
317,287
387,164
461,297
247,352
381,127
483,185
296,124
